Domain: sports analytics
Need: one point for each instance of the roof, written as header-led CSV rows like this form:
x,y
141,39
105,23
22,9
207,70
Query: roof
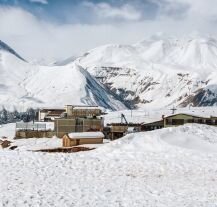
x,y
147,123
52,109
124,124
86,107
188,114
55,113
85,135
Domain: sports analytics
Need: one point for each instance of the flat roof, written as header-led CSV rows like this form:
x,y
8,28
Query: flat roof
x,y
86,107
86,135
189,114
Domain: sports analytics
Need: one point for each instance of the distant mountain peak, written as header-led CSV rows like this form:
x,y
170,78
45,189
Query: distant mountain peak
x,y
5,47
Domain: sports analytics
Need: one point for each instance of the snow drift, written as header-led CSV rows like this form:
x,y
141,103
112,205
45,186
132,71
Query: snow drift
x,y
190,136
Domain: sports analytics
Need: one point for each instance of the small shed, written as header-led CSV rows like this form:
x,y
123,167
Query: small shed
x,y
74,139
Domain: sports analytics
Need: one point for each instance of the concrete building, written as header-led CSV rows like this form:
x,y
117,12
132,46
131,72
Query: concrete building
x,y
73,111
79,119
49,114
67,125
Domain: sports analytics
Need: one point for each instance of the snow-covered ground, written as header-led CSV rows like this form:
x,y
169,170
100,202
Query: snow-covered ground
x,y
168,167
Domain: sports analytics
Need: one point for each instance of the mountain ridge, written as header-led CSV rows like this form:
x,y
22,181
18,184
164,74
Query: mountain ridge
x,y
24,85
5,47
154,73
168,71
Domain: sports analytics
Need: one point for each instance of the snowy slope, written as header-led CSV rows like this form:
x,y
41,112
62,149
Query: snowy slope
x,y
158,72
25,85
155,73
163,168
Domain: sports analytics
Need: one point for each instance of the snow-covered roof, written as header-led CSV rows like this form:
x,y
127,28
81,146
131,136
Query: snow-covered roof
x,y
85,135
86,107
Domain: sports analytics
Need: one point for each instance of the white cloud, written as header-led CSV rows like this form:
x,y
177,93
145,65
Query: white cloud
x,y
39,1
105,10
34,38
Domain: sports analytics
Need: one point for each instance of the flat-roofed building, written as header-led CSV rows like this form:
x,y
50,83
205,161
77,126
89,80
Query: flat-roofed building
x,y
49,114
73,111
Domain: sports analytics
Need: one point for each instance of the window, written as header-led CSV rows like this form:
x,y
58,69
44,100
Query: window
x,y
190,120
169,121
177,121
209,121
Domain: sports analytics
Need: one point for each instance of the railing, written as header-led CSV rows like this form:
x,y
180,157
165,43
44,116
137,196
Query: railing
x,y
31,126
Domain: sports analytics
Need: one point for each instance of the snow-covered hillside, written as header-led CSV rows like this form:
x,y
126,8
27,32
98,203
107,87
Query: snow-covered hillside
x,y
154,73
25,85
158,72
163,168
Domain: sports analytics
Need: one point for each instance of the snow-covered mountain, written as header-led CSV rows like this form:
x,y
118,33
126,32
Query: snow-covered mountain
x,y
23,85
154,73
158,72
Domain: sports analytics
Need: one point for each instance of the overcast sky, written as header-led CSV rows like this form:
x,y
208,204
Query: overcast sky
x,y
57,29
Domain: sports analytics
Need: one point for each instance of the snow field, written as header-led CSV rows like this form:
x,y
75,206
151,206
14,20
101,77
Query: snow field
x,y
142,169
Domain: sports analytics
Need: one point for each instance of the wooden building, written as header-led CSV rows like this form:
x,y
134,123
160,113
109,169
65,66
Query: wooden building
x,y
74,139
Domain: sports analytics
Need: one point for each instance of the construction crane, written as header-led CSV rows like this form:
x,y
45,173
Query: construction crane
x,y
123,118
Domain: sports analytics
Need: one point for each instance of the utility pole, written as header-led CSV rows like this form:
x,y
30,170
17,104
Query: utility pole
x,y
173,110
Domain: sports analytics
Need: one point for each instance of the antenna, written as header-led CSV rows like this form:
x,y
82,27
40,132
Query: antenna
x,y
173,110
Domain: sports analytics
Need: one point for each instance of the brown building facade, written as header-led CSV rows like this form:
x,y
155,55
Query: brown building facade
x,y
74,139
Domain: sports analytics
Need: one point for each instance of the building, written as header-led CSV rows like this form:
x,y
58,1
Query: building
x,y
34,130
118,130
67,125
49,114
152,125
74,139
82,111
79,119
184,118
179,119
